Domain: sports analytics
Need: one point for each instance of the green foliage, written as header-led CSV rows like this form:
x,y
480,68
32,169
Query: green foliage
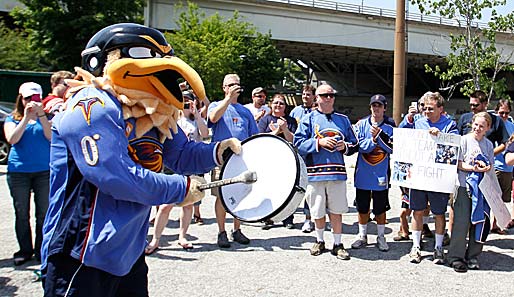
x,y
59,30
214,47
15,52
475,61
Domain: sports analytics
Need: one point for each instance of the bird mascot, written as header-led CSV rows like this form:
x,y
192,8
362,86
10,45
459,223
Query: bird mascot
x,y
109,144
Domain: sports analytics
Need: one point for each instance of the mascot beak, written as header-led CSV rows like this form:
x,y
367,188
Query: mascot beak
x,y
157,76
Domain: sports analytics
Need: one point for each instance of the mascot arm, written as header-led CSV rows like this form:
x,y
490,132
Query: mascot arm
x,y
188,157
94,131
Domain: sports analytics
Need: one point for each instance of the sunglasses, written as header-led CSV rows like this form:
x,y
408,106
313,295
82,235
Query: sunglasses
x,y
474,105
234,84
259,96
325,95
278,102
428,109
503,113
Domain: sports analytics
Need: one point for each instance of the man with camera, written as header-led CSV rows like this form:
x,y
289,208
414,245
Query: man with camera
x,y
228,118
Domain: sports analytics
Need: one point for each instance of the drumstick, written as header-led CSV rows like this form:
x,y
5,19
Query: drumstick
x,y
246,177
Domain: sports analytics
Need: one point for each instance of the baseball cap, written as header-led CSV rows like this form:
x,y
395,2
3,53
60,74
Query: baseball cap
x,y
378,99
30,88
258,90
188,95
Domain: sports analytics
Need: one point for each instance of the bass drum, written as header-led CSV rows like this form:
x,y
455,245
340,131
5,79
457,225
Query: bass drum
x,y
281,180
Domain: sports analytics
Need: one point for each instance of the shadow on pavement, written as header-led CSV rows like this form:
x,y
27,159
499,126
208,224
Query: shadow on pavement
x,y
494,261
5,289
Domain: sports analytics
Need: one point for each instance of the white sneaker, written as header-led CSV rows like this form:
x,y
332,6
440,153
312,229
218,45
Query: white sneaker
x,y
307,226
360,242
382,244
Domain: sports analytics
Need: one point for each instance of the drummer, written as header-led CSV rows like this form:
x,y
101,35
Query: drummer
x,y
228,118
322,138
280,124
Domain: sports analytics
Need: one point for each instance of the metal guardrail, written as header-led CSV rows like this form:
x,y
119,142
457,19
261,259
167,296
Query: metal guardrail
x,y
375,11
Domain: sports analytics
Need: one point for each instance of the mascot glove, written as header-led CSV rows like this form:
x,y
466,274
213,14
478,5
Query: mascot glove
x,y
232,143
194,194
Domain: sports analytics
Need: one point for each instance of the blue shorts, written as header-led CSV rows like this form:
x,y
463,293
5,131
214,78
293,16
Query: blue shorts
x,y
65,273
438,201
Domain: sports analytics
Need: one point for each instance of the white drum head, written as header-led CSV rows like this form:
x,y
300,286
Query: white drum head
x,y
277,168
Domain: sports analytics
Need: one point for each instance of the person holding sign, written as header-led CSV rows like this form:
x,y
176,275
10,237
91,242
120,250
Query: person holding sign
x,y
323,137
476,158
435,122
371,179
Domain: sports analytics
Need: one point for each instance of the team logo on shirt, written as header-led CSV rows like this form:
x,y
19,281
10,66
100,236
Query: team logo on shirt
x,y
86,105
148,152
376,156
328,132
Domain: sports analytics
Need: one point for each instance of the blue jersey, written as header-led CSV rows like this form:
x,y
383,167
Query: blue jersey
x,y
237,121
100,196
299,111
371,171
499,160
323,164
444,124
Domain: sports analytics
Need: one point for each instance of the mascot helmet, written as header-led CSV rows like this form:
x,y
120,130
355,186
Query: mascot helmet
x,y
126,37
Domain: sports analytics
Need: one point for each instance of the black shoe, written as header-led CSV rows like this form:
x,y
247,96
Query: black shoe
x,y
427,233
21,258
223,240
268,224
289,226
239,237
459,266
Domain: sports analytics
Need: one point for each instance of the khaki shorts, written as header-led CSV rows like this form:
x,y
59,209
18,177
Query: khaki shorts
x,y
326,197
505,180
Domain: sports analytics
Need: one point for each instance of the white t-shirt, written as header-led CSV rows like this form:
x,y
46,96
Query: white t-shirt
x,y
256,110
470,148
190,128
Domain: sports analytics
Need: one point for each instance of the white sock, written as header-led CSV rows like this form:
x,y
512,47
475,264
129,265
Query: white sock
x,y
439,241
381,230
416,238
363,230
425,219
319,234
337,238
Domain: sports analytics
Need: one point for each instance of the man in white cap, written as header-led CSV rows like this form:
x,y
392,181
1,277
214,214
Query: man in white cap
x,y
258,107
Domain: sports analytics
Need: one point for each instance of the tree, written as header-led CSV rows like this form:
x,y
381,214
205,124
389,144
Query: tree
x,y
15,52
214,47
59,30
475,61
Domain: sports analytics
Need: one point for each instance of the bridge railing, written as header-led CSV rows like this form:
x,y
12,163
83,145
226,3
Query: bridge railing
x,y
375,11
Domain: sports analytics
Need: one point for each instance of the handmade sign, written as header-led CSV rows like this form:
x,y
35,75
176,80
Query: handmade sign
x,y
423,161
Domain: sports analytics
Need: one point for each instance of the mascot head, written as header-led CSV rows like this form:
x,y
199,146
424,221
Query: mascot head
x,y
139,58
136,64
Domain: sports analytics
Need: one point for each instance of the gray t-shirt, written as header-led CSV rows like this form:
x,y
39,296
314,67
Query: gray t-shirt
x,y
470,148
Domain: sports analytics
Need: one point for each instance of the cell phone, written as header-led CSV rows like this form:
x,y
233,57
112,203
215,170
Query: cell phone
x,y
414,104
186,105
241,89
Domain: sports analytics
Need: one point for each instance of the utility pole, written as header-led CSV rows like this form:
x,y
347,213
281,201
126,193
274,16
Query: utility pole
x,y
399,62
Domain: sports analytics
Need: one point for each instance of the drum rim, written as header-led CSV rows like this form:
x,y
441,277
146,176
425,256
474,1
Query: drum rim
x,y
289,197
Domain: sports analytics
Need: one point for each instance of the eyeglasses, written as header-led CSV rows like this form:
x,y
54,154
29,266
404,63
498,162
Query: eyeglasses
x,y
503,113
233,84
422,104
474,105
259,96
428,109
325,95
278,102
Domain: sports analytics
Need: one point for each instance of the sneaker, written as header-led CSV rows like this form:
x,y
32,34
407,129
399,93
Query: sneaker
x,y
427,233
438,257
415,255
473,264
318,248
307,226
446,239
382,244
289,226
267,225
360,242
340,253
223,240
239,237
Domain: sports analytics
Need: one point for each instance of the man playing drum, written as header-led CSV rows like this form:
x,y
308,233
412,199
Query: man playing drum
x,y
228,118
322,138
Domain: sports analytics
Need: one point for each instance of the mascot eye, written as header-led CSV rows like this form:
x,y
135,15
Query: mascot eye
x,y
142,53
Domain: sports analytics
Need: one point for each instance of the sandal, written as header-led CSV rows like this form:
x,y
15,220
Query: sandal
x,y
186,245
401,237
150,249
459,266
498,231
198,220
510,225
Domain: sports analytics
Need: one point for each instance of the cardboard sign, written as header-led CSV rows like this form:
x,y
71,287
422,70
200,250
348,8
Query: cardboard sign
x,y
423,161
493,194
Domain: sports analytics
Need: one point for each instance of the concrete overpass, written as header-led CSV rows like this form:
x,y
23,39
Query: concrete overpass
x,y
349,45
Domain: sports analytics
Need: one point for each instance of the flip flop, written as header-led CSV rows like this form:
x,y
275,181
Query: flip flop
x,y
150,249
498,231
186,246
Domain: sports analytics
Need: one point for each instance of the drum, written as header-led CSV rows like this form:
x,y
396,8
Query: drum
x,y
281,180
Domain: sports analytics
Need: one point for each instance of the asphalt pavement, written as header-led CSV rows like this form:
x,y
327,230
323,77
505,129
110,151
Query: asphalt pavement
x,y
277,261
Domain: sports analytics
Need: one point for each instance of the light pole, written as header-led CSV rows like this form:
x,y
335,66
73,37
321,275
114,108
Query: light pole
x,y
399,62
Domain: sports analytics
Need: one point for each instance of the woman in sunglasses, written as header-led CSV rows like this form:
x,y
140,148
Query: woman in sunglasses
x,y
28,131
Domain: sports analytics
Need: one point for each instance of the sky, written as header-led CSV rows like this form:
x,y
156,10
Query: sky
x,y
391,4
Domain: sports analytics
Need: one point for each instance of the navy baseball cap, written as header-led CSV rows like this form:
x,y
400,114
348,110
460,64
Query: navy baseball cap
x,y
381,99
